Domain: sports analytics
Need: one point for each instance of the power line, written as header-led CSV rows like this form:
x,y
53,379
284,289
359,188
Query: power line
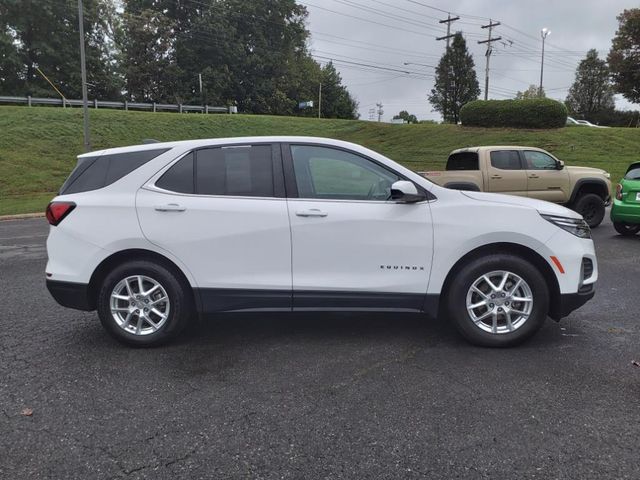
x,y
368,21
390,69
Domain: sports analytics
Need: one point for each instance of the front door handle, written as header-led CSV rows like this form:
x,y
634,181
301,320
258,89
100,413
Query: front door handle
x,y
496,177
170,207
534,176
313,212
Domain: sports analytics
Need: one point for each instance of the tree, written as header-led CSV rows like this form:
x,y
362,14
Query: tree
x,y
45,37
406,116
10,64
456,81
531,92
147,54
251,53
624,56
336,99
591,91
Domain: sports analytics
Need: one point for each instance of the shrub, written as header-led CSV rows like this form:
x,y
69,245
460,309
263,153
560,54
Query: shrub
x,y
529,113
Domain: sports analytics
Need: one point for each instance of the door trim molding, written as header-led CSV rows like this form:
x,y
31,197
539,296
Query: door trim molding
x,y
243,300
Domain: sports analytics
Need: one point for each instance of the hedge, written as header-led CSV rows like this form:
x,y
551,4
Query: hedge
x,y
530,113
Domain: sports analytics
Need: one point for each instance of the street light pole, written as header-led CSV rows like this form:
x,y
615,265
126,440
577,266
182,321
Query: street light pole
x,y
543,33
83,69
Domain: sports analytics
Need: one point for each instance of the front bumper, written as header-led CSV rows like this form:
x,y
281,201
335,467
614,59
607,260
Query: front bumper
x,y
570,302
70,295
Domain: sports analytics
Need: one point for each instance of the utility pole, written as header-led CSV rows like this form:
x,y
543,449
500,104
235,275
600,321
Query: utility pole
x,y
543,33
83,68
488,54
319,99
380,111
448,21
200,82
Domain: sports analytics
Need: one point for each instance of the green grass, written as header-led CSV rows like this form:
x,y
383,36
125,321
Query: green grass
x,y
38,145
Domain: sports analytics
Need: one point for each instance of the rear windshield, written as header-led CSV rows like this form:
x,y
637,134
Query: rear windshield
x,y
633,173
463,161
92,173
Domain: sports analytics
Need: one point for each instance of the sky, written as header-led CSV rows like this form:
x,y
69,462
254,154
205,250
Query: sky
x,y
370,41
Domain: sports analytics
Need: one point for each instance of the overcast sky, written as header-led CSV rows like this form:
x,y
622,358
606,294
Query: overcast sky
x,y
360,34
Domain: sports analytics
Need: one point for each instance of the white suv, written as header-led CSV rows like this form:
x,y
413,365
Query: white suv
x,y
152,235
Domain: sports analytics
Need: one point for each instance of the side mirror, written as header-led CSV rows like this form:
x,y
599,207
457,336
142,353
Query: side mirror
x,y
560,165
403,191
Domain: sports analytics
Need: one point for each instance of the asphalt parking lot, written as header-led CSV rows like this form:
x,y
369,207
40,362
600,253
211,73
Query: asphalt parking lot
x,y
316,396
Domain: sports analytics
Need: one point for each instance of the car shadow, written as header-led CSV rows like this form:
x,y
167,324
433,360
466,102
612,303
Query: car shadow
x,y
318,326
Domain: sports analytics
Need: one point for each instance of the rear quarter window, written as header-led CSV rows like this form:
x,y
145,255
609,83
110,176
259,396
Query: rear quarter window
x,y
92,173
463,161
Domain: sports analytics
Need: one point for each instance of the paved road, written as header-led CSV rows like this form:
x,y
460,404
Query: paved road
x,y
316,396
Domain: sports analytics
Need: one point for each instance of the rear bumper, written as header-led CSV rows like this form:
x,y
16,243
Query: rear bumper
x,y
70,295
625,212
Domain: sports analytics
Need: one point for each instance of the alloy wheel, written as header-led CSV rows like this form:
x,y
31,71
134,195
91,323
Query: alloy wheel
x,y
499,302
139,305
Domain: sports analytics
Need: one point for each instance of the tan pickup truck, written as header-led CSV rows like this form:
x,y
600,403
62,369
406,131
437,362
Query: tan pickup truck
x,y
528,172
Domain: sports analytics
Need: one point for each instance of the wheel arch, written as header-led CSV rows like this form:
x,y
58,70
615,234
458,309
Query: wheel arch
x,y
118,258
515,249
590,185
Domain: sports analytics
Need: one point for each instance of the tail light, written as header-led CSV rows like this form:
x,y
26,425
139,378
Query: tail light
x,y
57,211
618,192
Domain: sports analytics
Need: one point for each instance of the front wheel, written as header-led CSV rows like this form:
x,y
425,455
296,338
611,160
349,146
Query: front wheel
x,y
591,207
626,229
498,300
142,303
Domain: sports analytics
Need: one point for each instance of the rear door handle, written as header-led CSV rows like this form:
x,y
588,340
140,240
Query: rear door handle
x,y
496,177
313,212
534,176
170,207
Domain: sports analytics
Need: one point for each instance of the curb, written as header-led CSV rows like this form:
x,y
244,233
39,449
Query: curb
x,y
21,216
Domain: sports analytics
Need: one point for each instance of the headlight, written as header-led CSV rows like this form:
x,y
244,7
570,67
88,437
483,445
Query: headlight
x,y
574,226
607,174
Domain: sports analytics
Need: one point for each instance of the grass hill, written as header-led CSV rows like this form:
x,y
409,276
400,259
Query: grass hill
x,y
38,145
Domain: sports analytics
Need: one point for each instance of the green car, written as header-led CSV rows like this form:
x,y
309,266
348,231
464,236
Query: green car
x,y
625,212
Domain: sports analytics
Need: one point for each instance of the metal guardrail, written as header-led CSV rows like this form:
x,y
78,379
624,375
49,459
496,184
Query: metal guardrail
x,y
118,105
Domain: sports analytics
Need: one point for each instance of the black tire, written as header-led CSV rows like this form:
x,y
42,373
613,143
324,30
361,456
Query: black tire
x,y
179,297
591,207
626,229
474,270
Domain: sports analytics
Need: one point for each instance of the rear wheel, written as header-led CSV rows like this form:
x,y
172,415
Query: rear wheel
x,y
142,303
591,207
626,229
498,300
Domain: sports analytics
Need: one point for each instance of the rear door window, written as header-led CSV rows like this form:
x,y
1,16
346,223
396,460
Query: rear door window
x,y
506,160
245,170
92,173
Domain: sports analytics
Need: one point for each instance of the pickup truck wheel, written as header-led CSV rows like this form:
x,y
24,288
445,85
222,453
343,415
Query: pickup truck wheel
x,y
498,300
591,207
626,229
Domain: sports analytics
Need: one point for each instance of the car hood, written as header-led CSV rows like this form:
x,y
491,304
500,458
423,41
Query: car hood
x,y
541,206
586,171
